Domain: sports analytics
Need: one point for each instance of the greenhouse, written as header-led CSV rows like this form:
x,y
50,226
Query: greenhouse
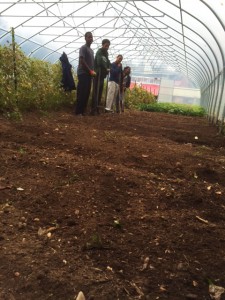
x,y
120,200
176,43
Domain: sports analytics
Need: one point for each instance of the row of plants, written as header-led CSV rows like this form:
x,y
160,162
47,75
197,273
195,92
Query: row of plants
x,y
138,96
174,108
28,84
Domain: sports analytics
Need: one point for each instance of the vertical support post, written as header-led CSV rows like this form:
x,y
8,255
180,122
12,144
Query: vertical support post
x,y
14,61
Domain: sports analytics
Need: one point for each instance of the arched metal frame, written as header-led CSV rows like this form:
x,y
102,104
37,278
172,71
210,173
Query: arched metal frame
x,y
154,36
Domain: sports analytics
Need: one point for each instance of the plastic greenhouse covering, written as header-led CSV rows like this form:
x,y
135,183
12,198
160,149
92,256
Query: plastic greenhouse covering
x,y
178,44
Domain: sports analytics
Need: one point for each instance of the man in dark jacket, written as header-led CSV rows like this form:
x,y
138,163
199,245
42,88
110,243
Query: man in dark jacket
x,y
101,67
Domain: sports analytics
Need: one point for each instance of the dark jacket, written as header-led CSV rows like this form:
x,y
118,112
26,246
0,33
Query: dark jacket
x,y
116,73
67,81
102,62
128,81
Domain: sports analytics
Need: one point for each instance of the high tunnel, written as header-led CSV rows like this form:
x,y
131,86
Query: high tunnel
x,y
161,40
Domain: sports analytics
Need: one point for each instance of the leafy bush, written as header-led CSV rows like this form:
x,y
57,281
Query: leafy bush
x,y
30,84
7,89
172,108
136,96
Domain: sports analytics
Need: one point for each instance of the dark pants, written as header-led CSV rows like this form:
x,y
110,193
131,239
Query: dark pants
x,y
83,92
98,85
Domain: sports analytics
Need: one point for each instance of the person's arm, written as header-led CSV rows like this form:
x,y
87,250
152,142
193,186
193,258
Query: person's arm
x,y
97,61
102,62
121,80
108,63
128,81
108,66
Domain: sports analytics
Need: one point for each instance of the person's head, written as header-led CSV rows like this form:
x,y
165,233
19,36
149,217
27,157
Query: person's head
x,y
105,44
127,70
119,58
88,38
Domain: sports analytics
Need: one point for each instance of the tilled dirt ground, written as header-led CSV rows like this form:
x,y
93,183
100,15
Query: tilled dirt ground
x,y
127,206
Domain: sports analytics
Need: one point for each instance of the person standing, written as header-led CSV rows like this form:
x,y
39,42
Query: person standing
x,y
85,72
125,84
114,83
101,67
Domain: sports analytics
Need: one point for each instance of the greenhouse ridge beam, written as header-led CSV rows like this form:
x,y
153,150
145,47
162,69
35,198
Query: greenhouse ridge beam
x,y
67,1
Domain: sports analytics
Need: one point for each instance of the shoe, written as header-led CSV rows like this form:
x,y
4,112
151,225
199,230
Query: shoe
x,y
109,111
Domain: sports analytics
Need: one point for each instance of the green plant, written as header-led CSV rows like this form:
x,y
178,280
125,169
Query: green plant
x,y
36,84
95,242
172,108
73,178
21,150
14,115
136,96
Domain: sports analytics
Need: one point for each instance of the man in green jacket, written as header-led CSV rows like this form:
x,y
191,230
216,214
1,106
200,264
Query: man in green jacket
x,y
101,67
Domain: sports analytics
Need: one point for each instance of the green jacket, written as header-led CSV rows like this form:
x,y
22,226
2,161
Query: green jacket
x,y
102,62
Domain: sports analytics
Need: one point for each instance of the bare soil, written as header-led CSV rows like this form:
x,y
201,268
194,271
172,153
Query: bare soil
x,y
119,206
